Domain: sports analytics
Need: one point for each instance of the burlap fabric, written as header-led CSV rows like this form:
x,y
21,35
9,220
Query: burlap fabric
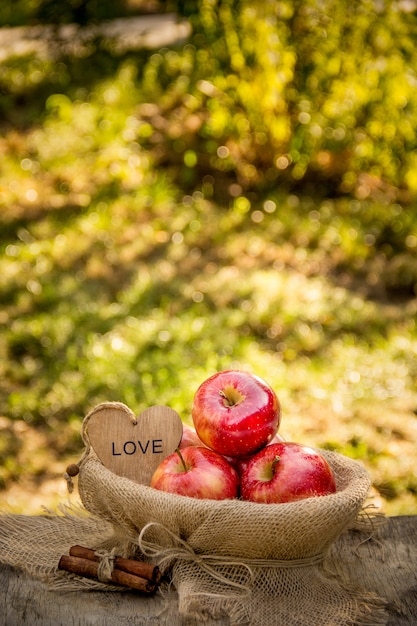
x,y
262,565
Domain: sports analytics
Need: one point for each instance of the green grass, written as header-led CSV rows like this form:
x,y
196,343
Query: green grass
x,y
136,259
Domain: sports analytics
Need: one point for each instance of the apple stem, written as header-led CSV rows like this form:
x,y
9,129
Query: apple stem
x,y
231,396
227,402
275,463
178,451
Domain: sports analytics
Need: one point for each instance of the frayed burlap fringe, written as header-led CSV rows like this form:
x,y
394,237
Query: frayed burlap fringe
x,y
35,544
304,595
261,565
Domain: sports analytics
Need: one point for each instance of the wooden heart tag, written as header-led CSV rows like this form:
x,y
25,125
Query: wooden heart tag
x,y
132,446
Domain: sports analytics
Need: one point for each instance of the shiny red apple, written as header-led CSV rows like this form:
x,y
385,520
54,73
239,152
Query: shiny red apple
x,y
286,472
196,472
235,413
189,437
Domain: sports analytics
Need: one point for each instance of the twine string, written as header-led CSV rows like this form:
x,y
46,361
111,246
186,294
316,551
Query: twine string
x,y
180,550
106,564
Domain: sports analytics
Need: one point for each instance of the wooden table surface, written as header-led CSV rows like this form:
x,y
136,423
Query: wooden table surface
x,y
385,564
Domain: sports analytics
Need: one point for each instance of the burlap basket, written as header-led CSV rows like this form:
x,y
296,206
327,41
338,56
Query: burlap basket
x,y
259,564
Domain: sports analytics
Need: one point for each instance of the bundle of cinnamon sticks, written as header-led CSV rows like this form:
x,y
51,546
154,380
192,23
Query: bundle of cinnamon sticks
x,y
138,575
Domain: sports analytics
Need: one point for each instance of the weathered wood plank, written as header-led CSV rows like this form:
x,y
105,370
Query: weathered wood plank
x,y
24,600
386,563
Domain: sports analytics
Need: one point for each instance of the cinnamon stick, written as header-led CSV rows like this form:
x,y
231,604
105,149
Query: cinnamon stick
x,y
131,566
89,569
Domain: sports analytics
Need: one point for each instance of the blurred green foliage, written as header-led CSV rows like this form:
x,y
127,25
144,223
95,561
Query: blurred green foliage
x,y
245,198
302,91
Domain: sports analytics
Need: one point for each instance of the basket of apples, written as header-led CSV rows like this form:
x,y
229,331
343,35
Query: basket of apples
x,y
239,519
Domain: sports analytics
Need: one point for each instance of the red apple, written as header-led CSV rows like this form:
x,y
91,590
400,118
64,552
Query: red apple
x,y
196,472
235,413
189,437
285,472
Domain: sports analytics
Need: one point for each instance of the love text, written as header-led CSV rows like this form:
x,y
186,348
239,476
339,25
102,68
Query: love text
x,y
151,446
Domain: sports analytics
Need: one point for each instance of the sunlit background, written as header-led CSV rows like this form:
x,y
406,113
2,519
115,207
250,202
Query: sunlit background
x,y
188,187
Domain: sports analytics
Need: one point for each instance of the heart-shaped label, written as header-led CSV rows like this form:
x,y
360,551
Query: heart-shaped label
x,y
131,446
